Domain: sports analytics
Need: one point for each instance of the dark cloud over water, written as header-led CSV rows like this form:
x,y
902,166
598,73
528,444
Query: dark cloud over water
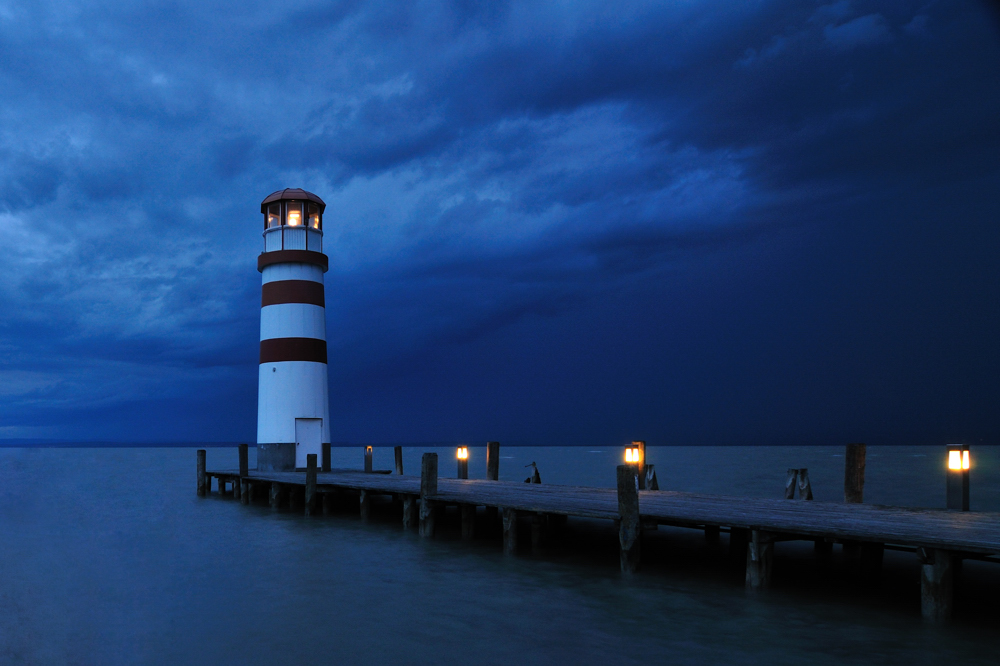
x,y
691,223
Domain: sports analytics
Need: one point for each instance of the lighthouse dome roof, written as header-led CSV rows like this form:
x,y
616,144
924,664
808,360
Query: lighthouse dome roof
x,y
292,193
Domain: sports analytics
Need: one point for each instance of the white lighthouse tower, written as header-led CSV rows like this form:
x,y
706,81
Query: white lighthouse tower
x,y
293,405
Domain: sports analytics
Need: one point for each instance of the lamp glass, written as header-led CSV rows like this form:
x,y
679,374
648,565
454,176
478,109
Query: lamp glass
x,y
965,460
955,460
294,215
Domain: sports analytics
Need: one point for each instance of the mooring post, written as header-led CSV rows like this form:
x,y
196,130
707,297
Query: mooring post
x,y
760,555
397,453
326,462
640,464
936,584
310,498
428,487
365,505
462,471
492,474
629,531
651,482
493,461
409,512
805,488
242,489
201,473
368,459
791,483
854,473
509,531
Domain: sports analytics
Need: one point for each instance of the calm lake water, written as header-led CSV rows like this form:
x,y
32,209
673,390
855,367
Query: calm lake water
x,y
108,557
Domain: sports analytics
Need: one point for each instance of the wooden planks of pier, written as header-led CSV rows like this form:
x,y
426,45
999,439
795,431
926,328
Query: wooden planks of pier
x,y
938,537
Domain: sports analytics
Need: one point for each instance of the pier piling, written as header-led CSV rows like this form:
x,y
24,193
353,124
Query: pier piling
x,y
760,556
509,531
202,478
428,487
629,531
936,584
397,454
492,474
409,512
310,497
854,473
368,459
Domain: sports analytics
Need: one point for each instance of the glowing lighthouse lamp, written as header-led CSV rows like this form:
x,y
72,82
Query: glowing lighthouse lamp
x,y
958,478
293,405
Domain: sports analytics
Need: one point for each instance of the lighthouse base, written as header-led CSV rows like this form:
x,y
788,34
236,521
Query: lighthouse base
x,y
276,457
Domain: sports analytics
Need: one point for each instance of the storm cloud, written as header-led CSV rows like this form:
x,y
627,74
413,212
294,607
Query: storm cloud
x,y
767,222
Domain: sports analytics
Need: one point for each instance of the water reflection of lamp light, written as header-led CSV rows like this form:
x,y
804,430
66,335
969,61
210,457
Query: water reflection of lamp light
x,y
462,453
958,477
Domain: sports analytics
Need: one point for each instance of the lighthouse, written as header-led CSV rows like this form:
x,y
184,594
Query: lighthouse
x,y
293,405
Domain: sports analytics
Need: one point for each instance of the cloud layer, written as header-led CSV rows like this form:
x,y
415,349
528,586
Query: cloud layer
x,y
547,223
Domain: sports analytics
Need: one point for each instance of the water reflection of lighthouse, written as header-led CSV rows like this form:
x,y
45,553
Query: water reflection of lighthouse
x,y
293,407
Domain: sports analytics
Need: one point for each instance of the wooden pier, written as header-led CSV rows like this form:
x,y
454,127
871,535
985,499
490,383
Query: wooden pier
x,y
939,538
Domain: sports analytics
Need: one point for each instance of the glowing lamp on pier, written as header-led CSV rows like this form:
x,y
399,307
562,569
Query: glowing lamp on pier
x,y
462,454
368,458
632,455
958,478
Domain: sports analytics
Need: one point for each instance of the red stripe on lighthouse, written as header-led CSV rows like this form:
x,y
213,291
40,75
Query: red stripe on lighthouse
x,y
292,291
277,350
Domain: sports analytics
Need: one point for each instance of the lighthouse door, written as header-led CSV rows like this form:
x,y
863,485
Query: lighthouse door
x,y
308,439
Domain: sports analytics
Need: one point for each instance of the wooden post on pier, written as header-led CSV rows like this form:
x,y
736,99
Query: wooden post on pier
x,y
428,487
397,454
326,462
492,461
509,531
791,483
936,584
468,511
310,498
365,505
492,474
243,486
760,555
854,473
629,531
805,488
409,512
641,463
201,474
368,459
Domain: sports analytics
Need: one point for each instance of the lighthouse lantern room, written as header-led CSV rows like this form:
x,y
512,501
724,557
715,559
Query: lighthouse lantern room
x,y
293,407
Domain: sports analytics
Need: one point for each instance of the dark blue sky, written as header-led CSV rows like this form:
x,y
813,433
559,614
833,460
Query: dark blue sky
x,y
574,223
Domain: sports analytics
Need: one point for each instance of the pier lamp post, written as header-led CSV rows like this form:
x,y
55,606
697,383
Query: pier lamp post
x,y
368,458
635,454
463,462
958,478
